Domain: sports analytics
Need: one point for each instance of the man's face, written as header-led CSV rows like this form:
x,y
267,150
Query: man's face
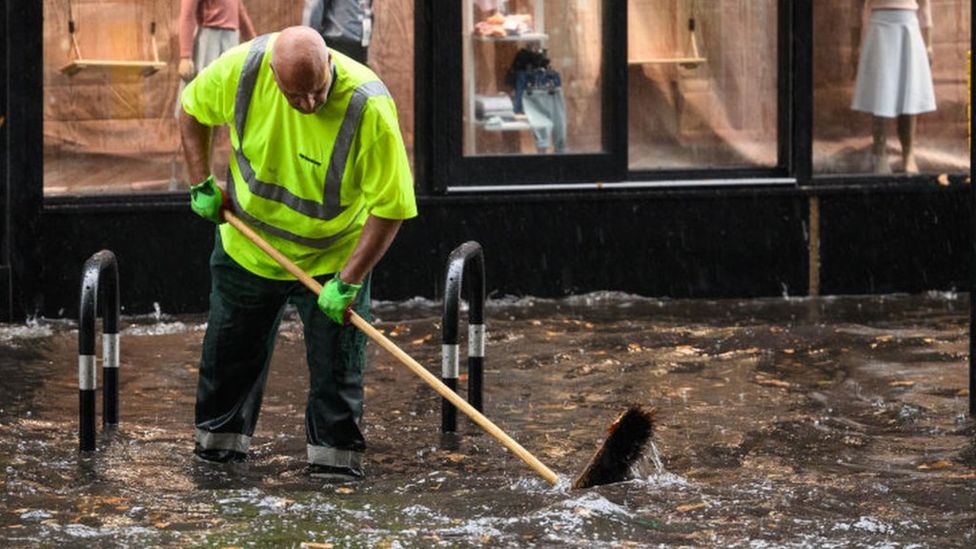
x,y
305,93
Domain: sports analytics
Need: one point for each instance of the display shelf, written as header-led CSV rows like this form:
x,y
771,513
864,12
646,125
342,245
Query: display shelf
x,y
520,124
144,67
668,61
526,37
471,123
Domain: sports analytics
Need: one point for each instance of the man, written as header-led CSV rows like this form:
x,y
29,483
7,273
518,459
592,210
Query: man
x,y
319,168
347,25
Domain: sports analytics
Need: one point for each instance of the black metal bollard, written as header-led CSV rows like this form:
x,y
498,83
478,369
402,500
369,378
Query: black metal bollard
x,y
466,254
91,283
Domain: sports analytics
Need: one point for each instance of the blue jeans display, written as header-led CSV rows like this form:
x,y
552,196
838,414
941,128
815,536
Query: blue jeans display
x,y
546,110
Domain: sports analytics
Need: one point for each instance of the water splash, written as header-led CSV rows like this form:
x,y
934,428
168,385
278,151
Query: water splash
x,y
164,328
655,456
33,328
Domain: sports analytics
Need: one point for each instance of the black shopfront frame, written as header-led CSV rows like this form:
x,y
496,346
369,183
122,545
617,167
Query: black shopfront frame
x,y
450,168
439,102
734,237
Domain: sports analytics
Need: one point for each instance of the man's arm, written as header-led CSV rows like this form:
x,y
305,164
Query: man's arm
x,y
196,147
378,233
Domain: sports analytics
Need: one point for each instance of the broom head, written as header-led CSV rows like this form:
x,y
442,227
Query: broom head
x,y
629,436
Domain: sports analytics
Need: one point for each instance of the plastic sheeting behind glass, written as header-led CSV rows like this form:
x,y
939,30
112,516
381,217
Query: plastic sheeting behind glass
x,y
847,141
532,77
702,83
113,129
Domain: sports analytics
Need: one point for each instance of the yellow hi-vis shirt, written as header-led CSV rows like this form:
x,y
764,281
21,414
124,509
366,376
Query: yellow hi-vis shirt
x,y
305,182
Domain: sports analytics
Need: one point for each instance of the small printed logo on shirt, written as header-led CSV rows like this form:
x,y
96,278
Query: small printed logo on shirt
x,y
307,159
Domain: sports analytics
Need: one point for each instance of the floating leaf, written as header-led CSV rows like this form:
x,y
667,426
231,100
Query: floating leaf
x,y
773,382
686,350
941,464
962,475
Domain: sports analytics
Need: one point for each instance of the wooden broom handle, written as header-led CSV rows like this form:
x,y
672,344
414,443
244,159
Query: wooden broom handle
x,y
403,357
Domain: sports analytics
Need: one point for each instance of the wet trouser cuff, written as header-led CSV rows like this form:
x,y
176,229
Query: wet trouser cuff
x,y
222,441
324,455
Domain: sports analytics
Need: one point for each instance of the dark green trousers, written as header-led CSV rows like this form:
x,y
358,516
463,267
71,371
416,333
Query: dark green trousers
x,y
245,311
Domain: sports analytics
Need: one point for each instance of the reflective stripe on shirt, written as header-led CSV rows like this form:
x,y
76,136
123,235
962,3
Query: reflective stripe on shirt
x,y
330,207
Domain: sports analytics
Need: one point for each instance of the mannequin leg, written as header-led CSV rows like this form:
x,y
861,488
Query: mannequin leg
x,y
879,150
906,134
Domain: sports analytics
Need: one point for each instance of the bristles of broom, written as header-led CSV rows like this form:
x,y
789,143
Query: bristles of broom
x,y
629,436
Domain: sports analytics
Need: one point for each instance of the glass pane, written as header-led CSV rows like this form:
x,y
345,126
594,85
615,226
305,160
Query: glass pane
x,y
110,103
881,105
702,83
109,98
532,77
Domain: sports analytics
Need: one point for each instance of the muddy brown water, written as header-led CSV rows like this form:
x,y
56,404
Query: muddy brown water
x,y
828,422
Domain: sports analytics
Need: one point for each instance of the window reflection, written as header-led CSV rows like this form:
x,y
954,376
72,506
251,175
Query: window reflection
x,y
532,77
702,83
874,76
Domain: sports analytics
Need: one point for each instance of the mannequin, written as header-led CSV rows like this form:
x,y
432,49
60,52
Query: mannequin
x,y
207,29
346,25
894,76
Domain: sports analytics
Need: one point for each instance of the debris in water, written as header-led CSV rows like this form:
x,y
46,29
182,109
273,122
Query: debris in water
x,y
941,464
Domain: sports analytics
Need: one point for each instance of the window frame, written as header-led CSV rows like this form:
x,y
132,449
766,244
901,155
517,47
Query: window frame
x,y
450,169
446,170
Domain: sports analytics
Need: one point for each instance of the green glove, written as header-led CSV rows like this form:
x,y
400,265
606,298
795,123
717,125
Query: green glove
x,y
336,297
207,200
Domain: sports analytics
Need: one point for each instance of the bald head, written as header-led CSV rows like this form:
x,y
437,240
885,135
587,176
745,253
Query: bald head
x,y
300,62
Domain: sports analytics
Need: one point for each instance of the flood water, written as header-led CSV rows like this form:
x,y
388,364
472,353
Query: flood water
x,y
781,422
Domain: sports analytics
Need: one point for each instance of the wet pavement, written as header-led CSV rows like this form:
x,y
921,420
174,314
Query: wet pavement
x,y
781,422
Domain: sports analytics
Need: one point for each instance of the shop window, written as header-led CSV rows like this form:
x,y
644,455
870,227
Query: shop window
x,y
105,93
532,77
111,89
883,104
523,92
703,84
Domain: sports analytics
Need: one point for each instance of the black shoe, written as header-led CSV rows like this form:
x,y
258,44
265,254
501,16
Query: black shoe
x,y
329,472
219,456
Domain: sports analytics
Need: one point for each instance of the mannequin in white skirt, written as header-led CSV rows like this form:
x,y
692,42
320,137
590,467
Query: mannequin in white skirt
x,y
894,75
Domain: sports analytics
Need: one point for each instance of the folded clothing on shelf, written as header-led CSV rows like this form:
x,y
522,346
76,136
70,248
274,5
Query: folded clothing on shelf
x,y
500,26
488,106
